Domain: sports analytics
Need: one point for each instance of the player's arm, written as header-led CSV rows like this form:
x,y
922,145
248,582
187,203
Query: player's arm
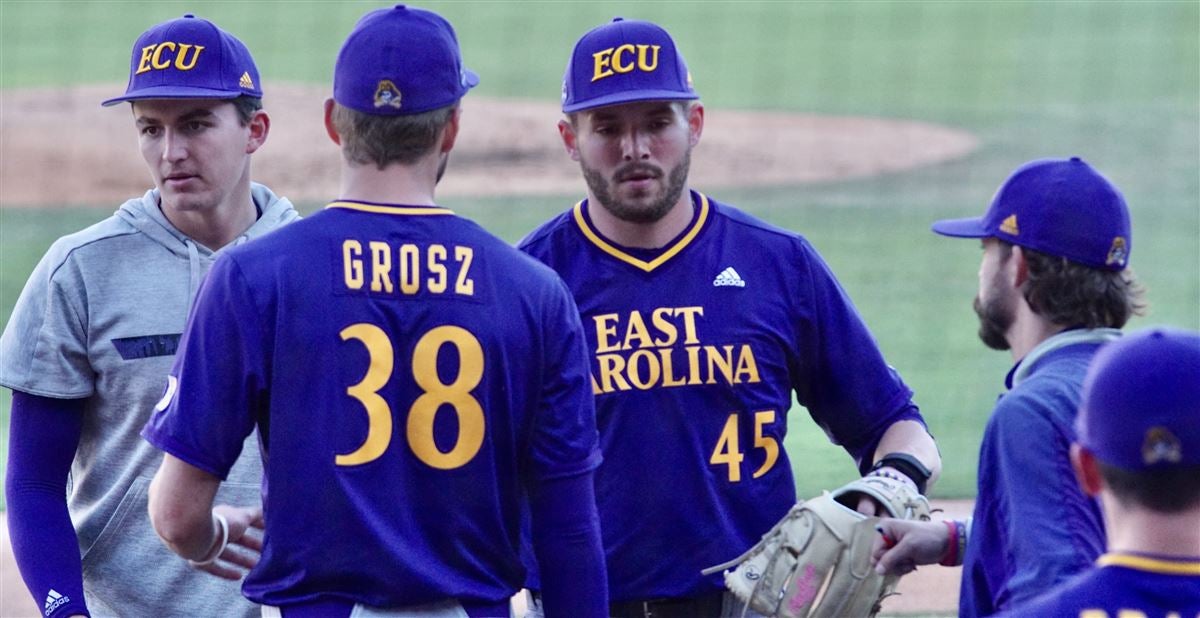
x,y
564,453
181,510
43,437
903,442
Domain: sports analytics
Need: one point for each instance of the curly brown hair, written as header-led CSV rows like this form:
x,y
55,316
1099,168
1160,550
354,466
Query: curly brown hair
x,y
1073,295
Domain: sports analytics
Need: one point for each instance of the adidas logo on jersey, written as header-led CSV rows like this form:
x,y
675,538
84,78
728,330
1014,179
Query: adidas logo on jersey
x,y
729,276
54,600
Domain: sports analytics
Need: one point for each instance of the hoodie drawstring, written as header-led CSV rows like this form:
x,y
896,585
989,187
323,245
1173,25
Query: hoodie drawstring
x,y
193,272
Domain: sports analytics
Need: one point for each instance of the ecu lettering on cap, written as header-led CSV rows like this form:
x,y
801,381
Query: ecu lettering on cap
x,y
625,59
169,54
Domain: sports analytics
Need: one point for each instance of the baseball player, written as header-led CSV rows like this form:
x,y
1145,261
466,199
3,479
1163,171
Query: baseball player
x,y
1053,287
419,385
1138,450
701,322
94,332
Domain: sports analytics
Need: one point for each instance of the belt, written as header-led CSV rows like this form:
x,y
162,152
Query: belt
x,y
704,606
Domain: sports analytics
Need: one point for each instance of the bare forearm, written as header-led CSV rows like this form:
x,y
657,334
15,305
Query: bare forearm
x,y
910,437
181,509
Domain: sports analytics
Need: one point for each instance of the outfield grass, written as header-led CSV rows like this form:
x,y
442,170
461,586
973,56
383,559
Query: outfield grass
x,y
1115,82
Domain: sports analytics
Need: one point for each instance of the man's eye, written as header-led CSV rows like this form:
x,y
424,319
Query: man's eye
x,y
150,131
195,125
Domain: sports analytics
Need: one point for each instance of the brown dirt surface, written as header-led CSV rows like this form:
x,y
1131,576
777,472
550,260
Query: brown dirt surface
x,y
59,147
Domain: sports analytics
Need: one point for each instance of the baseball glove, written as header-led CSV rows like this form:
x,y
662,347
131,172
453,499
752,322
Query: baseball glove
x,y
817,560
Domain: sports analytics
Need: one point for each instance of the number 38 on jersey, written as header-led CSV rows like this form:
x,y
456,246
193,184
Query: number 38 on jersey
x,y
424,410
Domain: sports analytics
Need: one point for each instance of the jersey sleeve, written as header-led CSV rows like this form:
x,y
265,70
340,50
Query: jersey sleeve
x,y
840,374
1044,505
218,383
564,440
43,350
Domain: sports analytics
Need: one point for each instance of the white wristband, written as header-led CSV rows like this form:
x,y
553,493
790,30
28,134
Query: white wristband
x,y
212,556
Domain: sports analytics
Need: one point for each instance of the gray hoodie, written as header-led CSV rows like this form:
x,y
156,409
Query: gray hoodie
x,y
99,319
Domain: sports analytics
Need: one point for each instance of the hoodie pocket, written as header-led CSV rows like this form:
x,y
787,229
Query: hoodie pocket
x,y
129,568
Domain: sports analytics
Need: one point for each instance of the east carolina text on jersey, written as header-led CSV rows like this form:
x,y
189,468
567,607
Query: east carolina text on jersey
x,y
665,349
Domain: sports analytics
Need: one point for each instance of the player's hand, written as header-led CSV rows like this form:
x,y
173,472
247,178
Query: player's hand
x,y
902,545
245,542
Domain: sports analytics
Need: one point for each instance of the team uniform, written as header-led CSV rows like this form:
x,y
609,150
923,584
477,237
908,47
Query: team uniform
x,y
696,350
1125,584
99,320
431,378
1033,527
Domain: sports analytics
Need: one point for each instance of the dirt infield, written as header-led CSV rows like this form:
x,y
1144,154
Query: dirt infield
x,y
931,590
60,147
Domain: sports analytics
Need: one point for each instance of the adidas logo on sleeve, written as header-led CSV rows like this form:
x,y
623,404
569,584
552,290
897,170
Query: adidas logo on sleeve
x,y
54,600
729,277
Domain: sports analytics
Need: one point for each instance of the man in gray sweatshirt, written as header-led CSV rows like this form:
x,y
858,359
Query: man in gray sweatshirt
x,y
93,335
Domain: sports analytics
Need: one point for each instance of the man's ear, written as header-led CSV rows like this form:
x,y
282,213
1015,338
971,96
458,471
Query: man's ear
x,y
1087,470
1019,267
695,118
569,138
260,127
329,130
450,133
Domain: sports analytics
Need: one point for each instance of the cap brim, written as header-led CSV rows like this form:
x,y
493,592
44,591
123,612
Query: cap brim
x,y
472,78
631,96
176,92
971,227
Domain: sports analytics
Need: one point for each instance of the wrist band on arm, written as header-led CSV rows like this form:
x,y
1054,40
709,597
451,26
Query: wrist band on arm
x,y
956,543
908,466
222,541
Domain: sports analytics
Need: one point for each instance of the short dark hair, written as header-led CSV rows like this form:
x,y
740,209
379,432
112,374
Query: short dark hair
x,y
1172,490
383,140
246,106
1073,295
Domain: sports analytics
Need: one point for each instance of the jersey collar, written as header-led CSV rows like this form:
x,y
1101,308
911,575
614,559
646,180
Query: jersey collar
x,y
1153,564
389,209
585,226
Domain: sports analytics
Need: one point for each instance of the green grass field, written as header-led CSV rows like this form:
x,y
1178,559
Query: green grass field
x,y
1115,82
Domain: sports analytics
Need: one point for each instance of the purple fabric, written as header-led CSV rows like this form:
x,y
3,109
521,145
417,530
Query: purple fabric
x,y
566,538
43,435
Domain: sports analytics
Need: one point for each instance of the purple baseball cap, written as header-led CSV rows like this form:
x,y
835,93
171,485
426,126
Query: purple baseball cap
x,y
1141,401
399,61
189,58
1062,207
624,61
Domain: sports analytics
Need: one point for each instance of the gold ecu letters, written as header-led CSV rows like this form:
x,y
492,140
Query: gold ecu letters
x,y
624,59
163,55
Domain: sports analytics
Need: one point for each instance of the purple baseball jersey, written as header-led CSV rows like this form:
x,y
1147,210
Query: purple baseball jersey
x,y
696,349
411,377
1125,585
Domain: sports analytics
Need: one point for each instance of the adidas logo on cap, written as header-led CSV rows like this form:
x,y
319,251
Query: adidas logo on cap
x,y
729,277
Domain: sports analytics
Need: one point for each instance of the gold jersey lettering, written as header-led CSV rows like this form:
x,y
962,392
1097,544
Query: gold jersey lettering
x,y
604,330
397,269
637,332
352,265
410,270
647,359
381,267
437,269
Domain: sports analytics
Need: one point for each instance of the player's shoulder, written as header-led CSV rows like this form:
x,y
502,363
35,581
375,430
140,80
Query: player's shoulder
x,y
546,233
740,223
91,238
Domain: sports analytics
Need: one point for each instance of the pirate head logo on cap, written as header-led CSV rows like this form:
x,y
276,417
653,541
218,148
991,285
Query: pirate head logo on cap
x,y
386,93
189,58
1065,207
624,61
1141,401
400,50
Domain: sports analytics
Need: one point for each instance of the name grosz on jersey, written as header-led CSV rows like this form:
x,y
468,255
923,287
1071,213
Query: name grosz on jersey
x,y
665,348
407,269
